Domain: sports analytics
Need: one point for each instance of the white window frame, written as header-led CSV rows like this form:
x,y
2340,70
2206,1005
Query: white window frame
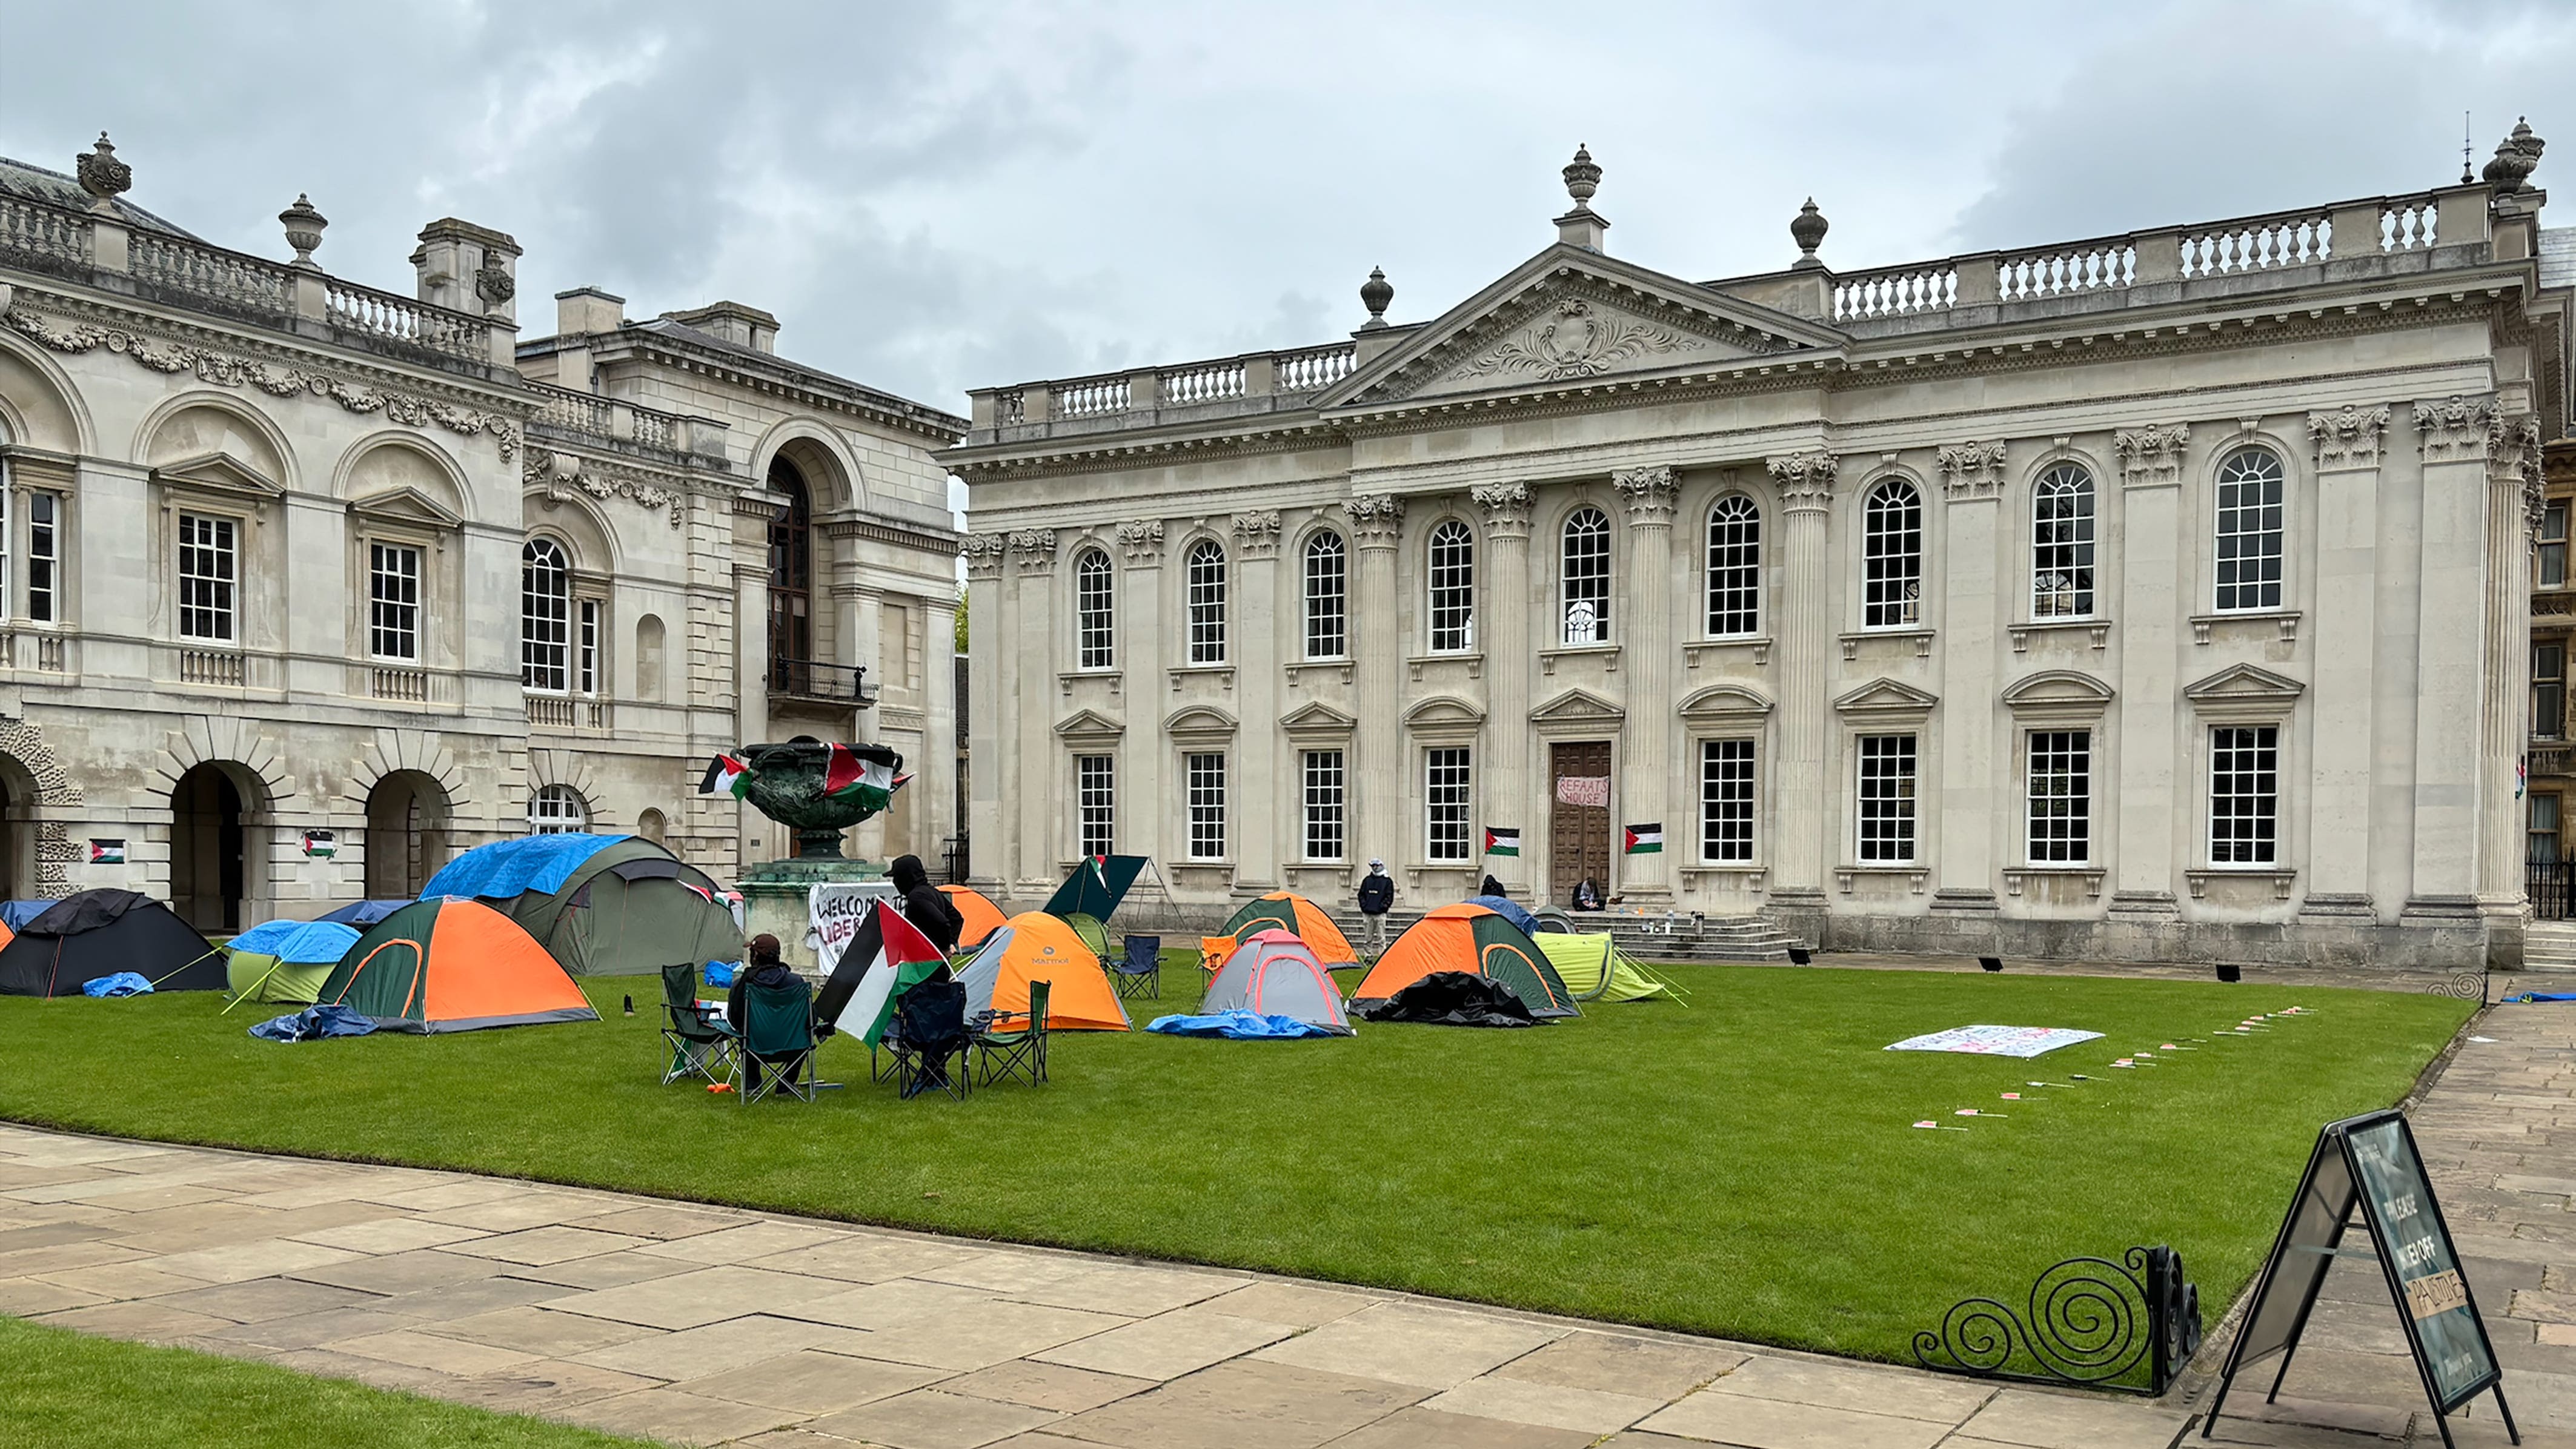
x,y
220,593
1734,568
1448,805
1449,587
1584,578
539,559
2063,504
1327,594
1892,556
1205,574
2242,759
1887,798
1095,611
586,647
45,510
1095,804
2057,796
1203,776
1729,800
557,810
393,601
2258,544
1323,781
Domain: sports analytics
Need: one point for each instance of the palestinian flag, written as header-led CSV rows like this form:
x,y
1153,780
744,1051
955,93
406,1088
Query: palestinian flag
x,y
1646,839
1502,842
887,957
867,774
725,776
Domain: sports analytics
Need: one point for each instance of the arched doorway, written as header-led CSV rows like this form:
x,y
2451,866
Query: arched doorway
x,y
406,834
9,879
209,871
791,580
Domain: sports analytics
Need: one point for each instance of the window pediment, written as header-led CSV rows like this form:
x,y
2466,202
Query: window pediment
x,y
1443,711
219,473
407,507
1318,719
1726,704
2244,689
1886,699
1198,723
2060,693
1086,725
1579,707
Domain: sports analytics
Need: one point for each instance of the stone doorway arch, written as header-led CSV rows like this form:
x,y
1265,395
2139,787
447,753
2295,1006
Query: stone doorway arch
x,y
213,867
408,815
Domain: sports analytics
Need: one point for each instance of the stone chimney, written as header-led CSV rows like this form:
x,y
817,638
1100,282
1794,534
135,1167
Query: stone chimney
x,y
586,310
1582,227
468,268
741,325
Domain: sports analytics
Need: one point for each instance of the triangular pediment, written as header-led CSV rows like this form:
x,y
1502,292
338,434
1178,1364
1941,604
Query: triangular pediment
x,y
1578,706
2057,689
1443,711
1089,723
221,472
2244,684
1318,718
1567,317
406,505
1725,701
1886,697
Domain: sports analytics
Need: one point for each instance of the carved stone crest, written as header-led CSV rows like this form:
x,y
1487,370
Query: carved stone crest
x,y
1574,342
560,473
2349,438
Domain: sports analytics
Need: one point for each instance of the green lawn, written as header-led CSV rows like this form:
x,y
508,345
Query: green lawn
x,y
67,1390
1743,1167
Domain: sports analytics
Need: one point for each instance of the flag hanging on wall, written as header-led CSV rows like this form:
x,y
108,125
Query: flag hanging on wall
x,y
1502,842
1646,839
725,776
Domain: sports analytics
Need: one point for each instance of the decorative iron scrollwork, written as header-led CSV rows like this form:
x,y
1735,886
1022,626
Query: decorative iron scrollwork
x,y
2089,1321
2466,985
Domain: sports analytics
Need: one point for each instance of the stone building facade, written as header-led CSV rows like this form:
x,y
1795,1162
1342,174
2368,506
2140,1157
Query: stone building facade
x,y
308,585
2153,597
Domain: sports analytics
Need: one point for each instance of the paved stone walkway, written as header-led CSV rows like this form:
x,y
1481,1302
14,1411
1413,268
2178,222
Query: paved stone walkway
x,y
700,1325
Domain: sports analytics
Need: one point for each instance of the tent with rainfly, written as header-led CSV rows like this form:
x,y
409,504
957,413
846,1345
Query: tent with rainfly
x,y
452,965
1595,969
604,905
1273,973
90,934
1299,917
981,916
1474,939
1035,946
286,961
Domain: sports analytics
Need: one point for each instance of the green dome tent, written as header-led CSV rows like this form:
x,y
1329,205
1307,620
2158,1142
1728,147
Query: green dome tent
x,y
603,905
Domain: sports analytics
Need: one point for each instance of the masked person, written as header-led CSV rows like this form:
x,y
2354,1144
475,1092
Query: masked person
x,y
1377,894
924,905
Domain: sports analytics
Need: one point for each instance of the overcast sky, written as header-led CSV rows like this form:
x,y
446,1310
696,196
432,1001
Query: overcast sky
x,y
937,198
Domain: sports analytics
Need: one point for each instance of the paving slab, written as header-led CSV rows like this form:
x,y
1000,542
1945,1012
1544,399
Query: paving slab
x,y
1407,1343
1424,1427
32,1297
263,1299
541,1331
1885,1391
714,1348
689,1300
810,1381
457,1356
995,1332
930,1419
1619,1363
541,1246
1046,1385
1243,1404
1550,1405
2064,1421
544,1387
1167,1345
1760,1423
675,1417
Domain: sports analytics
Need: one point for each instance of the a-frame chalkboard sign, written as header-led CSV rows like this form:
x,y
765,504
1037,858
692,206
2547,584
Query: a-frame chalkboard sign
x,y
2371,1162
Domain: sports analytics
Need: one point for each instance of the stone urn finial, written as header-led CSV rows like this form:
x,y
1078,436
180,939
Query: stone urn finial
x,y
1582,178
1376,294
102,175
2516,157
1807,229
303,230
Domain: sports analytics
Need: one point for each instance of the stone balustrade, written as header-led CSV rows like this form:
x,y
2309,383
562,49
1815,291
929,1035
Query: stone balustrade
x,y
569,415
1249,382
45,238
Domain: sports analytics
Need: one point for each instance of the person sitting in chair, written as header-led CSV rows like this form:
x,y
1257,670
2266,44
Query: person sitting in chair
x,y
1587,894
760,966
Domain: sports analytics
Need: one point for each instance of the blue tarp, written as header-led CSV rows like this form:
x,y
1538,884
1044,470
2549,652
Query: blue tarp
x,y
507,868
363,914
314,1023
1238,1025
16,914
1509,911
719,974
260,940
123,983
297,943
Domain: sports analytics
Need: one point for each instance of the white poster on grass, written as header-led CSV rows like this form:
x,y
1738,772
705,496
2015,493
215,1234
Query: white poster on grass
x,y
1996,1041
835,912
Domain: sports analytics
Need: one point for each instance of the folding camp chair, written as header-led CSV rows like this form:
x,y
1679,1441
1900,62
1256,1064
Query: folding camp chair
x,y
930,1041
778,1041
700,1046
1141,974
1021,1051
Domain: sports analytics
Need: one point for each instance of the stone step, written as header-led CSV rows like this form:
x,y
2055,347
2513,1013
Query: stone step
x,y
1715,938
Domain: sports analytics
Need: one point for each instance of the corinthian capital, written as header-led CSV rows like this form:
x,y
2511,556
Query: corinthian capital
x,y
2349,438
1507,508
1035,549
983,553
1972,470
1142,541
1649,494
2457,429
1256,533
2151,455
1377,519
1806,480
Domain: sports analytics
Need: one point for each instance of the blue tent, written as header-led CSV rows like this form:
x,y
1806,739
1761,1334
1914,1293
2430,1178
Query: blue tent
x,y
363,914
285,960
16,914
1509,910
506,869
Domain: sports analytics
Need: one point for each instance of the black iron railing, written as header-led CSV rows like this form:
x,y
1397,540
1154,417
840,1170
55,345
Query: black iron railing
x,y
816,679
2550,884
2089,1321
958,862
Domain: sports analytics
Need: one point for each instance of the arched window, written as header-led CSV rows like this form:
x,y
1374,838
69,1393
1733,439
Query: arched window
x,y
2061,544
653,825
1734,567
2249,530
545,616
1453,588
1094,617
557,810
1892,557
1207,602
1327,597
1587,577
791,574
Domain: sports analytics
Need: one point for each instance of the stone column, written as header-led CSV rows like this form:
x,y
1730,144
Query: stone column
x,y
1972,477
2149,714
990,740
1378,775
1804,624
1503,796
1647,766
856,613
1263,838
2454,742
935,805
2337,867
1043,781
751,675
2513,521
1145,759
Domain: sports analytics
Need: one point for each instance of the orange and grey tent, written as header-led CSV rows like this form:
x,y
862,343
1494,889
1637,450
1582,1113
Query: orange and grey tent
x,y
1474,939
1035,946
982,917
1275,974
453,965
1299,917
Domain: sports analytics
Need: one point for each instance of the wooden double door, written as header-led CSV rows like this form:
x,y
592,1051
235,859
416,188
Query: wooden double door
x,y
1578,834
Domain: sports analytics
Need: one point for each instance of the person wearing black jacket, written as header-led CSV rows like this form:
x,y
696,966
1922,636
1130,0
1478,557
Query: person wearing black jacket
x,y
923,903
761,967
1377,893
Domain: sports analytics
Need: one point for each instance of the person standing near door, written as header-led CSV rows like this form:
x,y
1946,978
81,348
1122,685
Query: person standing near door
x,y
1377,894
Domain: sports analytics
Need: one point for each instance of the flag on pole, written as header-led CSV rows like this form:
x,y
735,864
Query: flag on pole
x,y
1499,841
725,776
887,957
864,773
1646,839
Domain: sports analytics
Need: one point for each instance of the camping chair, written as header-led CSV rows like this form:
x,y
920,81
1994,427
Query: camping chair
x,y
778,1041
700,1047
1141,974
930,1040
1022,1051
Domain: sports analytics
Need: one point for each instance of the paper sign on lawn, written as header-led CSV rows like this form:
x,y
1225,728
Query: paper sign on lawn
x,y
1996,1041
887,957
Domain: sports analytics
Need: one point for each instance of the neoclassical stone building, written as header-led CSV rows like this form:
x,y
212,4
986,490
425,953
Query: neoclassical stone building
x,y
308,585
2158,596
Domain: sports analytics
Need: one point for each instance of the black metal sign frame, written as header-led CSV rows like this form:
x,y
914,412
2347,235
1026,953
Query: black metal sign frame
x,y
2311,1238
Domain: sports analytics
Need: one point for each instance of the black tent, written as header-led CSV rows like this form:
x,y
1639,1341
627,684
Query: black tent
x,y
99,933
